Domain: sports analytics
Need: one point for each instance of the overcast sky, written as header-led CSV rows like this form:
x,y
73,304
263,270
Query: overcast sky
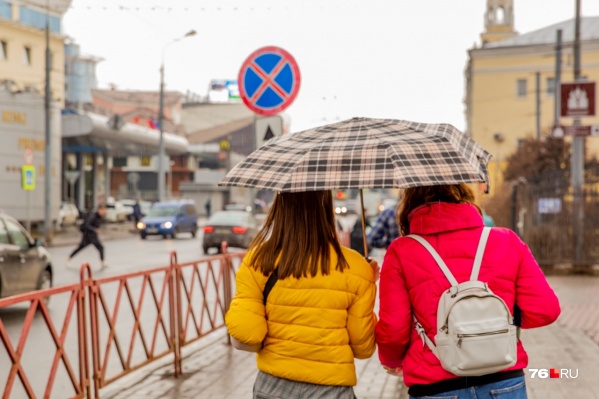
x,y
401,59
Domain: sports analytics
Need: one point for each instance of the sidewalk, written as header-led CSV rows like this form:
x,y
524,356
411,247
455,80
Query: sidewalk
x,y
214,370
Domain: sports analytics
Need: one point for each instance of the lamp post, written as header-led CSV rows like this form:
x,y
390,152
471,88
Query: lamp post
x,y
161,152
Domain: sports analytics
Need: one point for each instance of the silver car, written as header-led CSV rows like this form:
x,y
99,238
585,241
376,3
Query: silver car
x,y
237,228
25,263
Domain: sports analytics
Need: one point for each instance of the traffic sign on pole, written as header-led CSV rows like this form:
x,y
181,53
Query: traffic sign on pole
x,y
267,128
28,156
269,80
28,177
577,99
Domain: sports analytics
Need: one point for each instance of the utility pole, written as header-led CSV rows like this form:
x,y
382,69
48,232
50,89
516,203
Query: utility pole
x,y
161,152
538,104
558,78
577,157
48,145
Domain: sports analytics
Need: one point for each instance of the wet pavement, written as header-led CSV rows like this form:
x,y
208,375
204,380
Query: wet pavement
x,y
214,370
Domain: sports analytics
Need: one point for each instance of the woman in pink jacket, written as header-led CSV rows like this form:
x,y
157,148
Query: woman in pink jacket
x,y
411,281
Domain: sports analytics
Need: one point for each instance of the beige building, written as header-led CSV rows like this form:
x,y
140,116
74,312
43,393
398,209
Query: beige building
x,y
510,82
22,109
23,44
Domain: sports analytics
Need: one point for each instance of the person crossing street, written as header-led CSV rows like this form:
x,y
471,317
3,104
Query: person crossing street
x,y
90,230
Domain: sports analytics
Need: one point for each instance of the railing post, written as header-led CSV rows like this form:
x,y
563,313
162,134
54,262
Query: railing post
x,y
175,311
86,283
227,268
95,336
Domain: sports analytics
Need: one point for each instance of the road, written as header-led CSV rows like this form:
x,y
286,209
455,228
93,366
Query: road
x,y
124,255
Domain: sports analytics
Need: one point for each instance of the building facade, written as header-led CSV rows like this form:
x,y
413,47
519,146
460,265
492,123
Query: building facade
x,y
27,29
511,82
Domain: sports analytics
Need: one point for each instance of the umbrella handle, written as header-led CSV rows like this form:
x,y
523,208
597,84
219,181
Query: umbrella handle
x,y
363,225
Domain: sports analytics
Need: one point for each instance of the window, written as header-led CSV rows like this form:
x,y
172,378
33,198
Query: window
x,y
19,237
145,161
3,50
26,55
551,87
119,162
3,233
5,10
521,88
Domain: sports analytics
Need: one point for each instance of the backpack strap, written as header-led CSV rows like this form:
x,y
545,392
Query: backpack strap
x,y
480,251
438,259
473,277
425,339
272,279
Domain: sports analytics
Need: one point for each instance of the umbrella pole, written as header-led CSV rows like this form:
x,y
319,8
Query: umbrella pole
x,y
363,225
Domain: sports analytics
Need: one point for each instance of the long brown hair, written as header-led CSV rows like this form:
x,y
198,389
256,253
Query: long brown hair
x,y
299,232
416,196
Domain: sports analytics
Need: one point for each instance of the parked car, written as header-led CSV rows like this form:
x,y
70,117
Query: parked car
x,y
116,212
169,219
25,263
67,214
237,228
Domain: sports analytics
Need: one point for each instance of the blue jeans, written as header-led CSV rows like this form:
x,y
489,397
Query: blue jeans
x,y
513,388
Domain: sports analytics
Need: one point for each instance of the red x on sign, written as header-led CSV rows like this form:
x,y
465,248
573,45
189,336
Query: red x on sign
x,y
269,80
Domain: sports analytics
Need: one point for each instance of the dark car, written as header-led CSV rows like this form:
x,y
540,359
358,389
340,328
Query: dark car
x,y
169,219
25,264
237,228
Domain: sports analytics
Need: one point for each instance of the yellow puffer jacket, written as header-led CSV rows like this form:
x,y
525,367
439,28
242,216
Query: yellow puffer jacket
x,y
312,327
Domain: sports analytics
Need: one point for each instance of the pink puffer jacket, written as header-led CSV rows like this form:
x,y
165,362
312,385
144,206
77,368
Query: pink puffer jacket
x,y
410,279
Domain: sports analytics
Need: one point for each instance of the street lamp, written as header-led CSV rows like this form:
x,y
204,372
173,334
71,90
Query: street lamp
x,y
161,153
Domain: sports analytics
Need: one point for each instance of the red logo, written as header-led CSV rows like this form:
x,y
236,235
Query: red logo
x,y
554,373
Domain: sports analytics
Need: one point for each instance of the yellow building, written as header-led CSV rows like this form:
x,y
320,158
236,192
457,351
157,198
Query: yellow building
x,y
510,82
23,142
23,44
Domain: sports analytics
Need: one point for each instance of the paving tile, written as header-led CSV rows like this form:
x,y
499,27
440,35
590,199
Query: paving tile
x,y
215,370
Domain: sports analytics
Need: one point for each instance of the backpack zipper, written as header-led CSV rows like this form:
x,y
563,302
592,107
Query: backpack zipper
x,y
460,336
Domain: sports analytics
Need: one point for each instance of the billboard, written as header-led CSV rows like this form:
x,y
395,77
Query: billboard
x,y
223,91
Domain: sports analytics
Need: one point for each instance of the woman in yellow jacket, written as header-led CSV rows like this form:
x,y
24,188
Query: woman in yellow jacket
x,y
319,315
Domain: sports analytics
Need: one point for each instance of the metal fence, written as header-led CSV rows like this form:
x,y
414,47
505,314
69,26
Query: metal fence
x,y
91,339
543,215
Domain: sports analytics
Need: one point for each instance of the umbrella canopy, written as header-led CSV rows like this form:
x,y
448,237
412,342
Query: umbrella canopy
x,y
363,153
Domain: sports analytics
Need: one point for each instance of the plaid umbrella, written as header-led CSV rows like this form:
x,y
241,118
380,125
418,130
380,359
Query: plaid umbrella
x,y
363,153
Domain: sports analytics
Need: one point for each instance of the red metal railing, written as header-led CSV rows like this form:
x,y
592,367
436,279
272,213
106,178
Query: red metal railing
x,y
146,316
134,319
201,297
58,331
133,327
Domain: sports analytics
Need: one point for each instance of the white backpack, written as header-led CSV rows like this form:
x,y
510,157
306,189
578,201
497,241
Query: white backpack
x,y
475,331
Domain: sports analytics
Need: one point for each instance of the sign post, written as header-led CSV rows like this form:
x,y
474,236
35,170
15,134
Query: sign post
x,y
28,177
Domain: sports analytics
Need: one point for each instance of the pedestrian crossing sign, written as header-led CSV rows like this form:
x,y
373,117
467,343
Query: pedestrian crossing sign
x,y
28,177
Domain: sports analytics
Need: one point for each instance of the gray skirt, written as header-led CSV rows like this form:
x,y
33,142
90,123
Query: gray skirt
x,y
271,387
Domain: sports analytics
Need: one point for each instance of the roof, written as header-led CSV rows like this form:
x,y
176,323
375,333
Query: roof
x,y
206,122
589,30
139,97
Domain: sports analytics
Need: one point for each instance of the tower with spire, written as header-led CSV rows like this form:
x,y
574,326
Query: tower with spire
x,y
499,21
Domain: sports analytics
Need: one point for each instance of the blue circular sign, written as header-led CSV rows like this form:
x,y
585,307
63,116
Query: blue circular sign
x,y
269,80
